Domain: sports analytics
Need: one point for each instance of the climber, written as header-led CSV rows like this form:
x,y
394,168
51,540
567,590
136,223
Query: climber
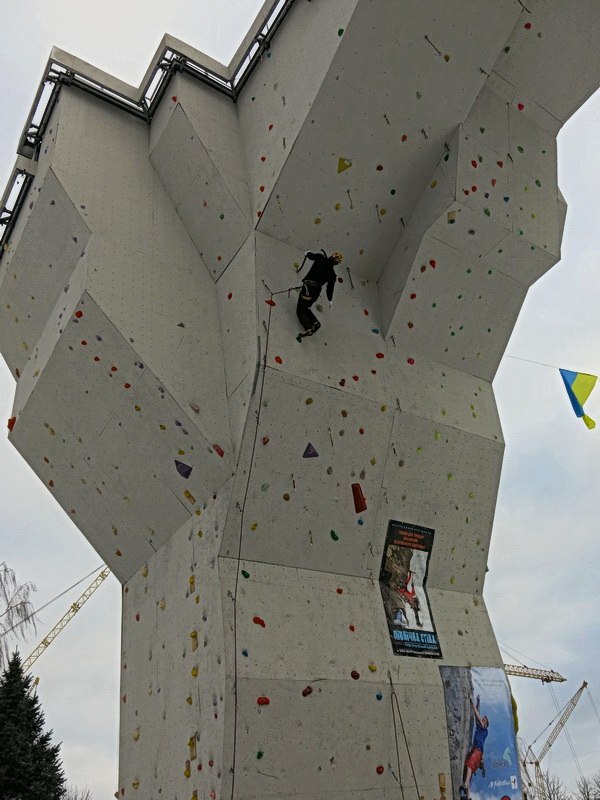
x,y
474,759
318,275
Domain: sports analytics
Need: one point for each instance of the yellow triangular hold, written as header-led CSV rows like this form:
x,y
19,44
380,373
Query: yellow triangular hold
x,y
591,424
343,165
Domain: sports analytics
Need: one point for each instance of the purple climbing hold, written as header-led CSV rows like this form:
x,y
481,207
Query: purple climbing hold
x,y
310,452
183,469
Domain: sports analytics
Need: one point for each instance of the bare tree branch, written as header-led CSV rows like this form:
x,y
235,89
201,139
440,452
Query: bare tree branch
x,y
16,610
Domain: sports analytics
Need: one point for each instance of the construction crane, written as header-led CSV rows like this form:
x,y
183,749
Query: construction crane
x,y
531,758
544,675
47,640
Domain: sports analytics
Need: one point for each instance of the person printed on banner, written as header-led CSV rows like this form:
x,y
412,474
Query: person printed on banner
x,y
474,759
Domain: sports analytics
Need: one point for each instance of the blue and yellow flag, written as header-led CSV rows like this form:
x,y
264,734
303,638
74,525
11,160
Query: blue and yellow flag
x,y
579,386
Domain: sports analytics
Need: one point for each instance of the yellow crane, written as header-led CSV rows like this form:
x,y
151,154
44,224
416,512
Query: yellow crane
x,y
531,758
544,675
65,619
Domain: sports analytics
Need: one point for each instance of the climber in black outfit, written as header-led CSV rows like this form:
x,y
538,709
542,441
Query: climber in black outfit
x,y
319,274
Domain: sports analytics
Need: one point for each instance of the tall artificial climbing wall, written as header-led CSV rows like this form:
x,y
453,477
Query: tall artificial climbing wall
x,y
241,484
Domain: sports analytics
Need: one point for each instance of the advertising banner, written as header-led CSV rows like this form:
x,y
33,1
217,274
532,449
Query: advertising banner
x,y
481,735
402,581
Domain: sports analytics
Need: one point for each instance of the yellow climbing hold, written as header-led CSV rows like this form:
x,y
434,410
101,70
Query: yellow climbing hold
x,y
144,568
343,165
135,783
189,496
187,771
194,638
181,452
384,408
135,735
189,700
373,461
437,435
163,427
192,581
162,604
433,184
308,401
194,672
337,206
372,667
254,526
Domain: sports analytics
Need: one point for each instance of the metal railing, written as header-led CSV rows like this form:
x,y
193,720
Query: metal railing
x,y
170,62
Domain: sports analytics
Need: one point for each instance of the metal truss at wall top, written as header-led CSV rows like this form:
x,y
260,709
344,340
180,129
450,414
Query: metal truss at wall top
x,y
169,63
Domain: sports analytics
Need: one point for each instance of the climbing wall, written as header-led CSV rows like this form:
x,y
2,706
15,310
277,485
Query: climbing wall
x,y
241,483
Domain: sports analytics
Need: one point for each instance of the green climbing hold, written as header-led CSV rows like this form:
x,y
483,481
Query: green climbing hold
x,y
538,182
506,49
245,574
334,536
520,149
487,212
418,95
340,31
260,754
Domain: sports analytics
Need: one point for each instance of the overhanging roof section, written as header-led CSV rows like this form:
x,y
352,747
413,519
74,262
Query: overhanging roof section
x,y
171,57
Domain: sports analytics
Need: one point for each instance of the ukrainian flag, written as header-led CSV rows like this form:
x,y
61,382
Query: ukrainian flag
x,y
579,386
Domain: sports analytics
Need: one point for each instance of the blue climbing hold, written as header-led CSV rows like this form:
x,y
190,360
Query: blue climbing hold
x,y
183,469
245,653
310,452
379,696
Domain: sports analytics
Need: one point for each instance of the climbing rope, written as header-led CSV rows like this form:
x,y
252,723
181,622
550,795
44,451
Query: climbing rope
x,y
394,698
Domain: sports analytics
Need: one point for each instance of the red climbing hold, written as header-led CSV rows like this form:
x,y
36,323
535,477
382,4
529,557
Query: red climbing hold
x,y
527,26
413,296
113,369
360,502
259,621
474,164
342,382
355,378
355,675
271,127
379,770
466,191
500,164
230,295
520,106
361,431
96,358
493,181
379,167
366,312
351,628
379,355
11,423
174,98
263,158
218,450
410,361
265,440
83,342
79,314
307,691
404,137
473,189
339,591
270,302
432,263
263,701
137,617
278,360
410,324
127,385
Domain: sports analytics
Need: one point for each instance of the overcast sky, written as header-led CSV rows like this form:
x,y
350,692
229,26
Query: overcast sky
x,y
542,589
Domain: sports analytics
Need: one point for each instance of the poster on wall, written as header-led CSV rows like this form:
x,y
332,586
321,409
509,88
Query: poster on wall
x,y
402,581
481,735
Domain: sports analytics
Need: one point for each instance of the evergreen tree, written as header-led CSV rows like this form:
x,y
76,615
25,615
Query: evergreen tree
x,y
30,766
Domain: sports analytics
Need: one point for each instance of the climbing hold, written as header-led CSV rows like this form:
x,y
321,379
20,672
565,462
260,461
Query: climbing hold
x,y
194,638
355,675
218,450
360,503
183,469
307,691
11,423
136,735
259,621
343,165
189,496
189,700
372,667
379,770
413,296
379,167
79,314
245,574
520,106
379,696
278,360
265,440
340,31
308,401
474,163
194,672
310,452
270,302
245,653
527,26
379,355
355,378
334,536
254,526
259,754
339,590
263,701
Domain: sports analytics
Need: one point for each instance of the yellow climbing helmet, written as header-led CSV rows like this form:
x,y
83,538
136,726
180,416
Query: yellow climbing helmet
x,y
337,257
